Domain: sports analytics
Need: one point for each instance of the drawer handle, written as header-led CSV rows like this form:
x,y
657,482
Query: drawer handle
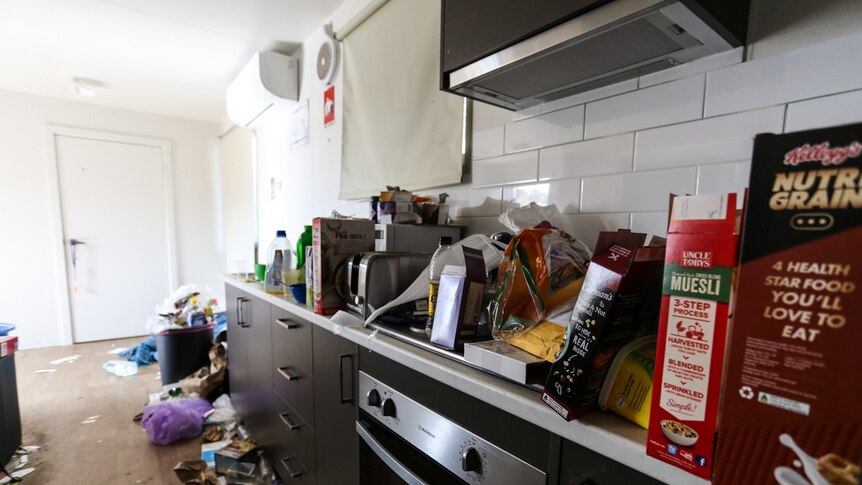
x,y
293,473
286,323
286,374
287,422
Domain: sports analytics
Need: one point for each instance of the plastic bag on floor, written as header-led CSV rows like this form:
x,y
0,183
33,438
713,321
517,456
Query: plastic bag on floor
x,y
176,419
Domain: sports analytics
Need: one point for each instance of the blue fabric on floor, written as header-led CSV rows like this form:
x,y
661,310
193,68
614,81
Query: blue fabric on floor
x,y
143,353
221,324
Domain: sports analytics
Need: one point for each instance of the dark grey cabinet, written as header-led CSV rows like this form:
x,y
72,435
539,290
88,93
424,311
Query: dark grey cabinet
x,y
294,385
579,466
473,29
335,399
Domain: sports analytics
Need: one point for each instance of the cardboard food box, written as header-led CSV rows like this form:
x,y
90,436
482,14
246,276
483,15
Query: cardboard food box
x,y
619,300
334,240
8,345
459,301
792,409
702,251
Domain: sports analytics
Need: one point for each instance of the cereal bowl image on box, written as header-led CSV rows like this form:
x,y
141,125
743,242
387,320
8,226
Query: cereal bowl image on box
x,y
679,433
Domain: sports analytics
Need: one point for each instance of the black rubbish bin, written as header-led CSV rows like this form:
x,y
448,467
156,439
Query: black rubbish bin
x,y
10,417
183,351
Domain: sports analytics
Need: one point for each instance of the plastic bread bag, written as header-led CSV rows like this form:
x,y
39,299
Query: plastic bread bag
x,y
537,264
491,252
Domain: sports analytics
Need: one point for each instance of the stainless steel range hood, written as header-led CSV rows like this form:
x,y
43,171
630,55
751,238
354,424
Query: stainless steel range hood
x,y
614,42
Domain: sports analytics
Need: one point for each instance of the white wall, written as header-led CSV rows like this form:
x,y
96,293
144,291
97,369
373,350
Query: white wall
x,y
608,158
28,289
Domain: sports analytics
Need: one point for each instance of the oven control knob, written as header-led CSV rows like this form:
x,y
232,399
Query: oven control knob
x,y
471,461
388,407
373,398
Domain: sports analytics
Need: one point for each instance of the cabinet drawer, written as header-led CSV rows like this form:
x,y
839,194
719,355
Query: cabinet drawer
x,y
291,469
294,432
295,386
292,337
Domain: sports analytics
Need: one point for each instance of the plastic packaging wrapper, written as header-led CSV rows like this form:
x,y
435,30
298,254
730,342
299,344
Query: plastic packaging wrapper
x,y
176,419
517,219
541,272
195,472
187,306
223,410
491,252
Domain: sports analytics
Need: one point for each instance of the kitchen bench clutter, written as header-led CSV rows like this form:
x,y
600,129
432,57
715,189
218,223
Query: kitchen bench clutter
x,y
711,354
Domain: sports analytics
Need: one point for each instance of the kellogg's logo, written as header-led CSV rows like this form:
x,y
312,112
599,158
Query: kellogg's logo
x,y
696,259
822,153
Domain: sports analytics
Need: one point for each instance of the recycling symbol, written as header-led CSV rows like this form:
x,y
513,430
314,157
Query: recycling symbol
x,y
746,392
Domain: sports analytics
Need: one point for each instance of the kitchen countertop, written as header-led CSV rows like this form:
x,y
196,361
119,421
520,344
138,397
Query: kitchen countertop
x,y
604,433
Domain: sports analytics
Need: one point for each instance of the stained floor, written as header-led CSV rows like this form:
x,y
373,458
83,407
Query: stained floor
x,y
111,451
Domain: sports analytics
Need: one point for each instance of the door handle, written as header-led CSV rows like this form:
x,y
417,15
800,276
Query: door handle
x,y
241,306
288,422
74,242
286,323
393,463
341,377
290,471
286,374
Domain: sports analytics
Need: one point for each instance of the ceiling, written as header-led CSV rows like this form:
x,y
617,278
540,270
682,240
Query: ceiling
x,y
169,57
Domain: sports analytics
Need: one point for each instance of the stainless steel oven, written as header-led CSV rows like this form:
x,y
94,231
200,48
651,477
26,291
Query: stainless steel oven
x,y
403,441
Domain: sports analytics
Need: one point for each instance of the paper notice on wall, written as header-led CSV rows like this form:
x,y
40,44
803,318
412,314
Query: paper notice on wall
x,y
299,125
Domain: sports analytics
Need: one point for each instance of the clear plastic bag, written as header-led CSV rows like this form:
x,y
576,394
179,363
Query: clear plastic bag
x,y
176,419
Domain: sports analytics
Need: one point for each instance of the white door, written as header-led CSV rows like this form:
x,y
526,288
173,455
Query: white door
x,y
117,234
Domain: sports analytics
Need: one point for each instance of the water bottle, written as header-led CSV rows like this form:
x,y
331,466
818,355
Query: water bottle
x,y
278,258
444,243
303,242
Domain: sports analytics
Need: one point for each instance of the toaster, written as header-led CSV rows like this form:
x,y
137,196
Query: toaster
x,y
375,279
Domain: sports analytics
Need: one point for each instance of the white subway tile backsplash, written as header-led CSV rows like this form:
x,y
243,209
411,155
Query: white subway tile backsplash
x,y
488,143
663,104
652,223
550,129
641,191
527,112
599,93
704,64
467,202
565,194
487,116
508,169
712,140
481,225
612,154
724,178
816,70
833,110
586,227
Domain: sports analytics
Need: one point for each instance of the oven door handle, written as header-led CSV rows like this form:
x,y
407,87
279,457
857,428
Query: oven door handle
x,y
402,471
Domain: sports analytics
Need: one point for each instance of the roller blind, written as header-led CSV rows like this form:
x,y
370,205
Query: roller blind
x,y
399,128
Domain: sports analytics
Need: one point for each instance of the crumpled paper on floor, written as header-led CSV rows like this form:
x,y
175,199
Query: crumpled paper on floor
x,y
195,472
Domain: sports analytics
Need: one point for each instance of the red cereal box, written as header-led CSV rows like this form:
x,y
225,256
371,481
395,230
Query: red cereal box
x,y
701,257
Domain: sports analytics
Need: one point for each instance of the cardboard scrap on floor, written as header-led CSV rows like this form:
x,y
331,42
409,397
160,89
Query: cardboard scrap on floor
x,y
195,472
65,360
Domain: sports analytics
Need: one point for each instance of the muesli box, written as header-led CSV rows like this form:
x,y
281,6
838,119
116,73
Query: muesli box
x,y
619,301
792,409
333,241
702,252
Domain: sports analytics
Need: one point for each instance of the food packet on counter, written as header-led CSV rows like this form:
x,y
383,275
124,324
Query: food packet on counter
x,y
538,264
545,339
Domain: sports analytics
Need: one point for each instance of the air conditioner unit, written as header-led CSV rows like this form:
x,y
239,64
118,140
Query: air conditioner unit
x,y
268,77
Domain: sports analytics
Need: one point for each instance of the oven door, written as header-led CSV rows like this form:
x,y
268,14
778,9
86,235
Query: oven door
x,y
386,459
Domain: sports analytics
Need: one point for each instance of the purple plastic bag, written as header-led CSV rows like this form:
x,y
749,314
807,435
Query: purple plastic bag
x,y
176,419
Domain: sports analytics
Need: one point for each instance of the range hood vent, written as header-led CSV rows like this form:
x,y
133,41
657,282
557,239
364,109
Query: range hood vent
x,y
614,42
